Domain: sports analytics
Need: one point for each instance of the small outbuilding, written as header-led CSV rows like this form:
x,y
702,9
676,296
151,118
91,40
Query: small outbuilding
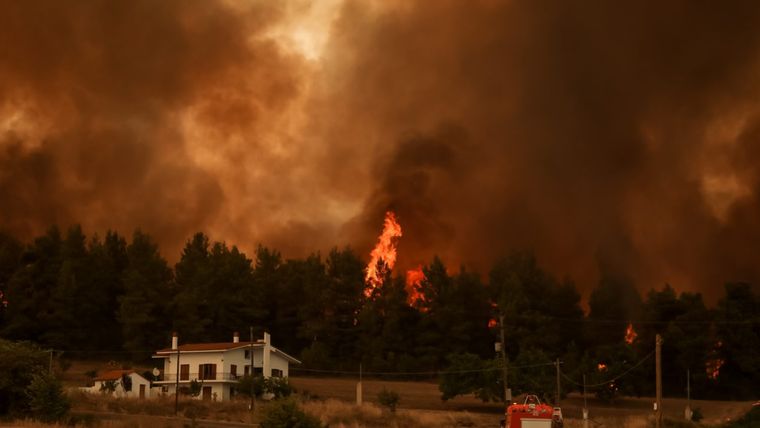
x,y
122,383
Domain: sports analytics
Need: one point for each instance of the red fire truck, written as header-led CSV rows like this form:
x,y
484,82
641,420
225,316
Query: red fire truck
x,y
532,414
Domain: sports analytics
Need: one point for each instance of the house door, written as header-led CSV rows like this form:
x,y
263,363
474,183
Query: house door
x,y
142,391
207,393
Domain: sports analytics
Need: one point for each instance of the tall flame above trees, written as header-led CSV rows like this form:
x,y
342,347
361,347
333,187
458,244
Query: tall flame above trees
x,y
383,256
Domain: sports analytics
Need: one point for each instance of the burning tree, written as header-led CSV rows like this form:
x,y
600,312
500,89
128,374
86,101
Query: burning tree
x,y
383,256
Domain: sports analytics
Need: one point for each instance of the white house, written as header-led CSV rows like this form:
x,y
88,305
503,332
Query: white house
x,y
125,383
219,365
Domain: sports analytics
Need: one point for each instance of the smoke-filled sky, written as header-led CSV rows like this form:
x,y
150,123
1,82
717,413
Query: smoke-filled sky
x,y
615,137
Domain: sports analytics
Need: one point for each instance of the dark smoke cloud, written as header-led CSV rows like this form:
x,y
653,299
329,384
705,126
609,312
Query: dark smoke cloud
x,y
607,137
96,96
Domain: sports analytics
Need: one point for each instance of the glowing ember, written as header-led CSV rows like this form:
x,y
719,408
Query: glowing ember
x,y
383,256
713,368
413,279
630,334
713,365
601,367
492,323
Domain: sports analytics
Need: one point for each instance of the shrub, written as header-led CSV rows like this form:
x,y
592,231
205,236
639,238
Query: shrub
x,y
244,385
18,363
696,415
279,386
389,399
195,388
287,414
47,401
108,386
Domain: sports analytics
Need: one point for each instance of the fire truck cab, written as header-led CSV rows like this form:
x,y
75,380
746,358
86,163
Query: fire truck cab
x,y
532,414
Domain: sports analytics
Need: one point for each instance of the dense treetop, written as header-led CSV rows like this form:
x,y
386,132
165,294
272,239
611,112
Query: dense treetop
x,y
109,297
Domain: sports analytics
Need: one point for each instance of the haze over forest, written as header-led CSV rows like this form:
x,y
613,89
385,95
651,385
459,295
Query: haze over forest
x,y
606,137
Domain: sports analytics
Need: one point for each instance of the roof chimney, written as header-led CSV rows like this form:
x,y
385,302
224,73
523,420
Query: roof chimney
x,y
175,341
267,338
235,337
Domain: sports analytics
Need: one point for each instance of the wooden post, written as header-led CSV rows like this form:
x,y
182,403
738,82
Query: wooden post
x,y
585,407
658,380
687,413
556,402
359,387
504,362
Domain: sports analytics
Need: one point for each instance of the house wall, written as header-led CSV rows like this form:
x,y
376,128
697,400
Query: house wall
x,y
264,358
278,362
223,361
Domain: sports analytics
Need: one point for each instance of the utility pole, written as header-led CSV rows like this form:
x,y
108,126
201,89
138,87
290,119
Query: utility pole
x,y
253,396
176,386
687,412
359,397
504,362
585,407
556,402
658,374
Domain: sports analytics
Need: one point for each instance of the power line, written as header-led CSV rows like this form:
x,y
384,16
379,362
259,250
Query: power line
x,y
420,373
612,379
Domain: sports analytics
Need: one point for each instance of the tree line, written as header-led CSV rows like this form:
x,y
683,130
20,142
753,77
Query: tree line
x,y
112,298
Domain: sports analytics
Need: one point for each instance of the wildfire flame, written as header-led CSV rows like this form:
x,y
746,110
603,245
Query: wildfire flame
x,y
713,365
383,256
413,279
630,334
601,367
713,368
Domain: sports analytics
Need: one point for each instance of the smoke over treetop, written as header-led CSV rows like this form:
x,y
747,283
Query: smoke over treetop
x,y
604,136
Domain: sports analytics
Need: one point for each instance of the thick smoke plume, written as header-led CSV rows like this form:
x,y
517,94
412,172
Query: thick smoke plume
x,y
606,137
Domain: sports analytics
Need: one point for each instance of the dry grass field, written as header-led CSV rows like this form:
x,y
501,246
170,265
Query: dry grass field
x,y
332,400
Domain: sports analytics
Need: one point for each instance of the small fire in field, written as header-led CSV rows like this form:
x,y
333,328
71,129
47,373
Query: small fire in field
x,y
601,367
630,334
383,256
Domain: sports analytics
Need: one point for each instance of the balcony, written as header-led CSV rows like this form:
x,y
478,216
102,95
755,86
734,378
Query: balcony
x,y
205,377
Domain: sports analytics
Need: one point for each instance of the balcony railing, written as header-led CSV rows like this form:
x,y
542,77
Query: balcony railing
x,y
187,377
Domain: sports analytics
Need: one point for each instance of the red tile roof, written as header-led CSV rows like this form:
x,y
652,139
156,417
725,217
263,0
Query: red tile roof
x,y
114,374
220,346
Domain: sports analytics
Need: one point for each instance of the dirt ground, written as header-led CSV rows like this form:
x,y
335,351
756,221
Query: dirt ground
x,y
421,400
425,396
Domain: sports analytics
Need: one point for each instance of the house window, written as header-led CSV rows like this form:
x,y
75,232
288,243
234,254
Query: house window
x,y
233,371
257,371
247,354
207,371
184,372
276,373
